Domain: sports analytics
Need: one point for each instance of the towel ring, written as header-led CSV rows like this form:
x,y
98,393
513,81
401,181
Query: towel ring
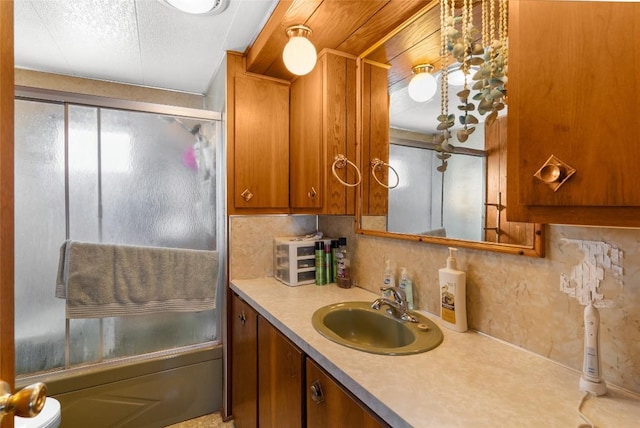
x,y
341,161
376,165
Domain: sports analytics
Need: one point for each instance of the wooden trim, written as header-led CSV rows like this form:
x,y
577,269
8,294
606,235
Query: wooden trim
x,y
263,77
7,349
535,251
375,63
399,28
335,52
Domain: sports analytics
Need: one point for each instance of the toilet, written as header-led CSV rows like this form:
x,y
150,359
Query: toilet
x,y
49,417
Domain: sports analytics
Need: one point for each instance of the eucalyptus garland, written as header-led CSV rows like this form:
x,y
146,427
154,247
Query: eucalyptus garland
x,y
485,51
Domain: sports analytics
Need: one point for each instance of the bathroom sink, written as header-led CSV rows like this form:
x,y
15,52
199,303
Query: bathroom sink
x,y
358,326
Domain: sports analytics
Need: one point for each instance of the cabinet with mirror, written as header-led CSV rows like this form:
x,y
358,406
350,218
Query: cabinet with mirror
x,y
463,204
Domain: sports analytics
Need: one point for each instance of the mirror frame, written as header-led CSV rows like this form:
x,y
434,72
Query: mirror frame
x,y
535,250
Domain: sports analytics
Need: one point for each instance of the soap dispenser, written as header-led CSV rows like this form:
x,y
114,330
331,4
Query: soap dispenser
x,y
406,285
453,303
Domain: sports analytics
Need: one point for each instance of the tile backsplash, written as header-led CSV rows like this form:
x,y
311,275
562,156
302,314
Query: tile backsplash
x,y
513,298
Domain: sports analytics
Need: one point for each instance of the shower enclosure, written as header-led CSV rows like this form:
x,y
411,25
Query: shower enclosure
x,y
108,171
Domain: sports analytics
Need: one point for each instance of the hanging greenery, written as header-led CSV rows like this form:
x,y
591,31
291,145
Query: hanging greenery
x,y
485,51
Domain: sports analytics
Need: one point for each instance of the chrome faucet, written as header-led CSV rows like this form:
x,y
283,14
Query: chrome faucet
x,y
398,307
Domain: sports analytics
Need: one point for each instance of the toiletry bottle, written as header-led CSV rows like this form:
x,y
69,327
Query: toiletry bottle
x,y
388,279
327,263
453,304
334,261
320,263
406,285
343,276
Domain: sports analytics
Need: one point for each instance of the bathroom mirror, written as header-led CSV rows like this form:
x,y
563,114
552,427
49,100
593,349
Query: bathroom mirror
x,y
464,206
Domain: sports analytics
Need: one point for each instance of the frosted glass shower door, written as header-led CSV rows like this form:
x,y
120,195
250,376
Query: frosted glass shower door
x,y
39,232
141,179
122,177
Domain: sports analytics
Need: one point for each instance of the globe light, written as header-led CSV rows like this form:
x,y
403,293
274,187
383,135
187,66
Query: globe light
x,y
423,85
299,54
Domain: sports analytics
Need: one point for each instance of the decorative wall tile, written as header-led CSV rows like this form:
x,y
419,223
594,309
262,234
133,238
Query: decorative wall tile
x,y
517,299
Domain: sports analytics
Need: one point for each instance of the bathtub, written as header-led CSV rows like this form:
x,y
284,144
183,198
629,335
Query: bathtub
x,y
152,390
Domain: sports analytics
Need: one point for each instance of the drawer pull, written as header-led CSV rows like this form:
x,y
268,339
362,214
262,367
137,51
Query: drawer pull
x,y
316,392
243,318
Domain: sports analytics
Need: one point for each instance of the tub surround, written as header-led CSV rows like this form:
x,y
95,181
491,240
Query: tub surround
x,y
469,380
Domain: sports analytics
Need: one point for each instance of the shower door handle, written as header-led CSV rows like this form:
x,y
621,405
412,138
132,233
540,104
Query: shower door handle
x,y
26,403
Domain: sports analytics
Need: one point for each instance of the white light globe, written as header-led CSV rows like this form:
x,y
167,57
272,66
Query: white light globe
x,y
422,87
193,6
299,55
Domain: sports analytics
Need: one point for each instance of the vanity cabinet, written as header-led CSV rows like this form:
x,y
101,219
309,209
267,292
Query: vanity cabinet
x,y
244,363
257,141
323,126
375,138
269,387
280,379
573,94
266,372
331,405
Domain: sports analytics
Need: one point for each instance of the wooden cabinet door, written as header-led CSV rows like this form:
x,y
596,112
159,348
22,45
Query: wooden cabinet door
x,y
261,146
339,138
306,151
375,138
497,228
573,93
323,125
244,364
280,379
330,405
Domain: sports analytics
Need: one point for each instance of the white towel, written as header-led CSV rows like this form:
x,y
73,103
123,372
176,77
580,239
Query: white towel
x,y
107,280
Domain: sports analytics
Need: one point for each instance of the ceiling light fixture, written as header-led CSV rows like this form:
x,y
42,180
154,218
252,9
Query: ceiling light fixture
x,y
199,7
299,54
423,85
456,76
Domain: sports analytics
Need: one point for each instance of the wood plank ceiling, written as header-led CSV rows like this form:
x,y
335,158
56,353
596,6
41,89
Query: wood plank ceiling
x,y
348,26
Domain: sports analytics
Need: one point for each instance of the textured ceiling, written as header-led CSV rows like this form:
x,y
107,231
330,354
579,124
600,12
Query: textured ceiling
x,y
142,42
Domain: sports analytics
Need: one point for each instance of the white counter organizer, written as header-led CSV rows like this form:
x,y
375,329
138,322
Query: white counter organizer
x,y
470,380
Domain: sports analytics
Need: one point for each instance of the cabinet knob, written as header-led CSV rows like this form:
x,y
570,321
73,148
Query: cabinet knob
x,y
246,195
554,172
243,318
316,392
312,193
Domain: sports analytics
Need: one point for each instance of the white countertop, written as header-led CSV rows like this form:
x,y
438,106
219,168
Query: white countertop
x,y
470,380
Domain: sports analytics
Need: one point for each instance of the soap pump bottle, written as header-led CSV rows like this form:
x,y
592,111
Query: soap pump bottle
x,y
406,285
453,304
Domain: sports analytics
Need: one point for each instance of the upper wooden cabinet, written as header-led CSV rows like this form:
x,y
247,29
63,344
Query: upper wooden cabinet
x,y
257,141
573,93
323,126
375,137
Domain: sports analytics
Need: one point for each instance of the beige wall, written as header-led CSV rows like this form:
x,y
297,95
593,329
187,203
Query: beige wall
x,y
251,241
77,85
513,298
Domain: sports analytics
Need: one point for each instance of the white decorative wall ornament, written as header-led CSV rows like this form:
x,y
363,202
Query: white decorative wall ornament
x,y
584,280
